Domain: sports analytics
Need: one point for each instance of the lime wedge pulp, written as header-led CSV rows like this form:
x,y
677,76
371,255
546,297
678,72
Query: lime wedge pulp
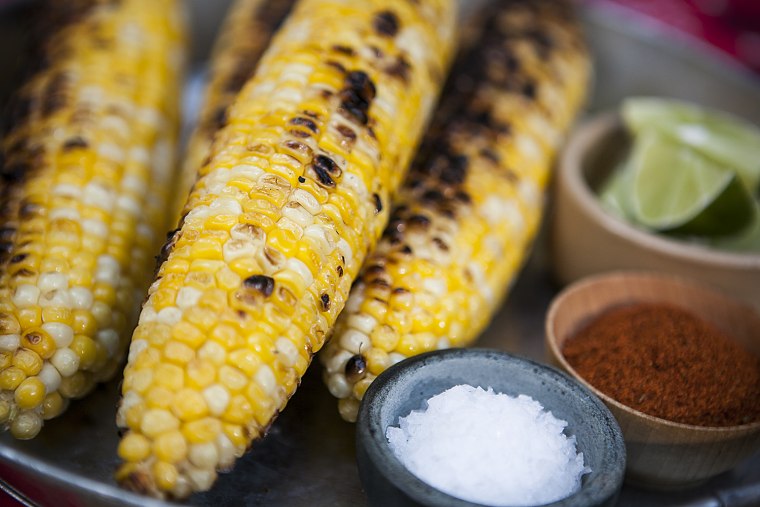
x,y
677,189
724,138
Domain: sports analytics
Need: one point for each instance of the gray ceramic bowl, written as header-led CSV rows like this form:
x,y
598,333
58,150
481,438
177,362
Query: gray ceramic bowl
x,y
403,388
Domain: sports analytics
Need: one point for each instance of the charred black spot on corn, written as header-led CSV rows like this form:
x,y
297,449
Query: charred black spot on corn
x,y
336,65
400,68
339,270
15,172
75,143
378,203
325,298
305,122
345,50
262,283
347,133
356,368
356,96
386,23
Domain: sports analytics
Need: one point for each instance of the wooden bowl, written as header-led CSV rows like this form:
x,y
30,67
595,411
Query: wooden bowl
x,y
661,454
587,240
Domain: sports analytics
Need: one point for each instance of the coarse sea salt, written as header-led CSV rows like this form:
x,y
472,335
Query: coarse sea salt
x,y
489,448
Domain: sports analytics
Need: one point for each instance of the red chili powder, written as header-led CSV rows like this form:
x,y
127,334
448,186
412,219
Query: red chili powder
x,y
669,363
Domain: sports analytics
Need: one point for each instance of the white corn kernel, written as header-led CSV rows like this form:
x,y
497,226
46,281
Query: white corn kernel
x,y
47,282
9,342
110,340
217,398
302,269
337,385
26,295
81,298
49,376
66,361
169,315
187,297
287,351
203,455
362,322
355,341
212,351
135,348
62,334
264,377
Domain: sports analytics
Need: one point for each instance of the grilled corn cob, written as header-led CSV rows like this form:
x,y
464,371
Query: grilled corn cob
x,y
467,214
86,163
244,36
281,217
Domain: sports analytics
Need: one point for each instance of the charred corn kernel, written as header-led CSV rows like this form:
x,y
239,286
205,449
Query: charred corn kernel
x,y
282,201
53,405
134,447
472,203
38,341
87,163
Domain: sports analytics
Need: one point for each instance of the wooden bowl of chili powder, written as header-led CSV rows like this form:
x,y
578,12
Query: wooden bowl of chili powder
x,y
677,363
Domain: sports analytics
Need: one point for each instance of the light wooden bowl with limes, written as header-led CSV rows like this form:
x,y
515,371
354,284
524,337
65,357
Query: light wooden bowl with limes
x,y
586,239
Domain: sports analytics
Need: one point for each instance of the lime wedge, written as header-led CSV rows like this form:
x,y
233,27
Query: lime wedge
x,y
676,189
614,193
726,139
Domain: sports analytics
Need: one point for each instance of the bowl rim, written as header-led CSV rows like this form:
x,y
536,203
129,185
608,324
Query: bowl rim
x,y
371,435
569,174
624,276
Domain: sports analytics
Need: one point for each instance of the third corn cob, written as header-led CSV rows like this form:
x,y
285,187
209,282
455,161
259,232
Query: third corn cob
x,y
85,182
465,218
282,215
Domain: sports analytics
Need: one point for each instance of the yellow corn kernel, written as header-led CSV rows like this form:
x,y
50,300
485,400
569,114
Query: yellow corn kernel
x,y
86,349
170,447
202,430
165,474
186,333
30,393
200,373
189,405
178,352
27,361
134,447
159,397
53,405
11,378
170,376
84,323
39,341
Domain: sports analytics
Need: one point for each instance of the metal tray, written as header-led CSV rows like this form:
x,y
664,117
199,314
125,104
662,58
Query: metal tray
x,y
308,457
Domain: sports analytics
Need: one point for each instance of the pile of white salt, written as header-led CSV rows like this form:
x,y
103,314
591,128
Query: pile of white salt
x,y
489,448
